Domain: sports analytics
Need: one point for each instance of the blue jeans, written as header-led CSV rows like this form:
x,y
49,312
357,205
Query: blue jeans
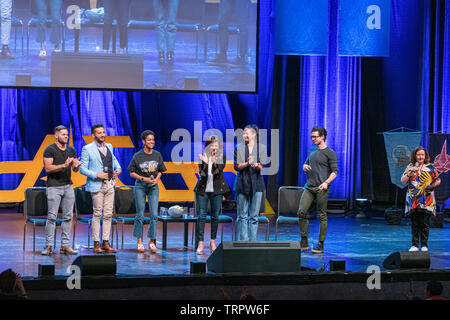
x,y
216,205
55,15
166,27
65,196
141,190
247,215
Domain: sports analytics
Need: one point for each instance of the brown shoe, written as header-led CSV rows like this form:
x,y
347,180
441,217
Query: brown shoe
x,y
151,247
47,251
67,250
107,248
97,248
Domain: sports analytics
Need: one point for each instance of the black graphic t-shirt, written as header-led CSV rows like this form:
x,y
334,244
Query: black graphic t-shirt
x,y
60,178
147,165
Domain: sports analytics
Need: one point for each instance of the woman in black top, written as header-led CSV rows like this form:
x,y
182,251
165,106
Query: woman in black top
x,y
249,183
211,187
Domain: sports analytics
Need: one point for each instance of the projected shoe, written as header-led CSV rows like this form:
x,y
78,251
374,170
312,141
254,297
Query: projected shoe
x,y
47,251
424,249
107,248
140,248
42,54
152,247
200,248
67,250
413,248
212,245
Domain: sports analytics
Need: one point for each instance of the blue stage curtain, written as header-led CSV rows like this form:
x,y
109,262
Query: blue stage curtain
x,y
330,96
435,84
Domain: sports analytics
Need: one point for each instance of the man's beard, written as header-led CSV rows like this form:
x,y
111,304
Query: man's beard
x,y
62,142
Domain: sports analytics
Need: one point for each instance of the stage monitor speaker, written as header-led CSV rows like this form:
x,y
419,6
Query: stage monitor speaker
x,y
96,265
253,257
101,71
337,265
407,260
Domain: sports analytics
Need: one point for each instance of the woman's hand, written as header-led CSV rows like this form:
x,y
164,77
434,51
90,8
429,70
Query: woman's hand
x,y
203,158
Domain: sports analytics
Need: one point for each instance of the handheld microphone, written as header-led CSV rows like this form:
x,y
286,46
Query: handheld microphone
x,y
153,177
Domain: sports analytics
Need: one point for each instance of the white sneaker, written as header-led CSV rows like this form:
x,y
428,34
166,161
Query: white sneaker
x,y
424,249
42,54
413,248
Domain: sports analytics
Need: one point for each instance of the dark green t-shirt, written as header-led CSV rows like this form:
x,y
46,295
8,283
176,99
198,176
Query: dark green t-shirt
x,y
147,165
60,178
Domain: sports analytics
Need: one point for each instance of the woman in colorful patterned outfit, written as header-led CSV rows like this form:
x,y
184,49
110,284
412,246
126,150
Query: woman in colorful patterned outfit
x,y
421,178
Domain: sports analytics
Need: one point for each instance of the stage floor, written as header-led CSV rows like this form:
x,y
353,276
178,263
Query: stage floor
x,y
211,77
360,243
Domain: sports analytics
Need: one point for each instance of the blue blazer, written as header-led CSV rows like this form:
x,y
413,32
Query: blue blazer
x,y
92,164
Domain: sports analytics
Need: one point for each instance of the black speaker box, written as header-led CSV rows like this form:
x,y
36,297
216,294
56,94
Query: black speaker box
x,y
198,267
407,260
437,221
96,265
337,265
103,71
252,257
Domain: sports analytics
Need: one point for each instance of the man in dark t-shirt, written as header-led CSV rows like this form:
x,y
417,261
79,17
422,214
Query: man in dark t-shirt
x,y
321,167
59,159
146,168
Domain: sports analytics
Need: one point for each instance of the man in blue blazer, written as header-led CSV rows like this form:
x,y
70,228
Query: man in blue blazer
x,y
101,168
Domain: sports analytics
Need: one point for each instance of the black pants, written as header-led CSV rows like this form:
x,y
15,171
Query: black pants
x,y
113,9
420,227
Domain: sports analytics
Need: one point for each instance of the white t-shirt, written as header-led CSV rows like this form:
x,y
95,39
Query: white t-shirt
x,y
209,182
